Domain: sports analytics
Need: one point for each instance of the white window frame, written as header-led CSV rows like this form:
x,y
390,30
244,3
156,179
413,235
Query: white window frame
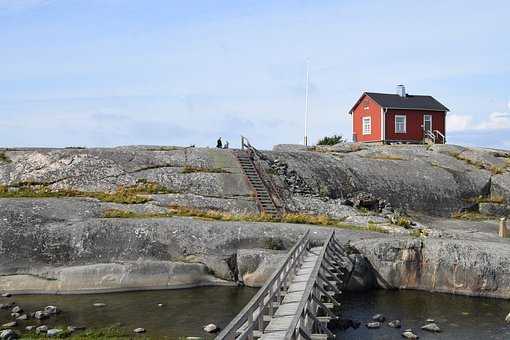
x,y
397,130
424,116
367,131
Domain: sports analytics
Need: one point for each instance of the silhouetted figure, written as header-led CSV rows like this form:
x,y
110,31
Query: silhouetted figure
x,y
219,144
225,146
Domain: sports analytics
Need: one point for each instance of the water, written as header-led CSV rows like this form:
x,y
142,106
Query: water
x,y
459,317
184,312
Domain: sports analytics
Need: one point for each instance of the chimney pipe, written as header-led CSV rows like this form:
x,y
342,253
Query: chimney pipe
x,y
401,91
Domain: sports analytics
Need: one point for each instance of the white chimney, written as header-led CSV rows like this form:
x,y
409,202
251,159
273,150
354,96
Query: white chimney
x,y
401,91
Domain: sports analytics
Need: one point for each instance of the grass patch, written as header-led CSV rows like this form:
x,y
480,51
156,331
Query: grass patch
x,y
192,169
498,169
4,158
418,233
475,163
123,194
321,220
471,216
163,148
387,157
488,199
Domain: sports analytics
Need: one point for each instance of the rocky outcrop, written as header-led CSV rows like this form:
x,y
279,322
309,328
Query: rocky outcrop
x,y
410,177
256,265
474,268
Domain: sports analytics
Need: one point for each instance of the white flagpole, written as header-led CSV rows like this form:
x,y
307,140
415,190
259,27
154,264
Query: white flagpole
x,y
306,101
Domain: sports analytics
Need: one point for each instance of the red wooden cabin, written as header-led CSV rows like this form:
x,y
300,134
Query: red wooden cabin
x,y
398,118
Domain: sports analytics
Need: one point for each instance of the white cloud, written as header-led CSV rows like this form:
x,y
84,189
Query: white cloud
x,y
455,122
494,121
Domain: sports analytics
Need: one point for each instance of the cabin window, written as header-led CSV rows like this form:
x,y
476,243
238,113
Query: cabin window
x,y
400,124
427,122
367,125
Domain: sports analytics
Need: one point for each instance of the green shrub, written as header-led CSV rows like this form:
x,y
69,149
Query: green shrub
x,y
4,158
331,140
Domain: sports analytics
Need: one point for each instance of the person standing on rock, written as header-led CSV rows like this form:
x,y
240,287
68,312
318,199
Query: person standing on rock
x,y
219,144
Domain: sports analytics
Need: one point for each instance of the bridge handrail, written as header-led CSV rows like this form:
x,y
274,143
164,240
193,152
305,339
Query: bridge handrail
x,y
259,300
294,330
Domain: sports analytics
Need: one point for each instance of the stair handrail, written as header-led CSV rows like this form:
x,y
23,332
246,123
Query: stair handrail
x,y
430,135
443,138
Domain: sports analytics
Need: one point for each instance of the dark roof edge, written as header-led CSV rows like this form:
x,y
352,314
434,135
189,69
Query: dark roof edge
x,y
395,108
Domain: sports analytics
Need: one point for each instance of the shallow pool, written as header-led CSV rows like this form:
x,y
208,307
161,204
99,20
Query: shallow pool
x,y
459,317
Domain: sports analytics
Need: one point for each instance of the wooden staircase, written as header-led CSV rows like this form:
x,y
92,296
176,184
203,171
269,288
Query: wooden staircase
x,y
262,196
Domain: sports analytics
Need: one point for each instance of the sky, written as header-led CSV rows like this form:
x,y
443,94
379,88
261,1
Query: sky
x,y
162,72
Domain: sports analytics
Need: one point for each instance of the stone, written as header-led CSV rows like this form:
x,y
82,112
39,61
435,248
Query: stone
x,y
54,332
431,327
72,329
41,329
51,310
378,318
6,295
8,334
430,320
15,315
373,325
29,328
40,315
99,304
507,319
395,324
160,305
22,317
9,324
16,309
408,334
139,330
210,328
256,265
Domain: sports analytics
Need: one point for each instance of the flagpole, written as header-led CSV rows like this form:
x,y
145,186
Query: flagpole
x,y
306,100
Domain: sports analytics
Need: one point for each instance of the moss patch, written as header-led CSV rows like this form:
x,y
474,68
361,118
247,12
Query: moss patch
x,y
192,169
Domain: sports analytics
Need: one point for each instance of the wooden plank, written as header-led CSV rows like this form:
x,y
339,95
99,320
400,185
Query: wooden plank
x,y
287,309
279,324
297,287
273,336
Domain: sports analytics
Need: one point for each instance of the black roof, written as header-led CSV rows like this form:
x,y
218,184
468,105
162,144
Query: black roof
x,y
394,101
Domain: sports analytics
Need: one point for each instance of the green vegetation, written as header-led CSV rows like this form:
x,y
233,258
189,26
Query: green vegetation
x,y
471,216
274,244
191,169
331,140
498,169
321,220
488,199
4,158
163,148
386,157
418,233
109,333
123,194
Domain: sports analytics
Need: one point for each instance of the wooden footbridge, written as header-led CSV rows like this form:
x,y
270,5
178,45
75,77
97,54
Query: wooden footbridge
x,y
298,300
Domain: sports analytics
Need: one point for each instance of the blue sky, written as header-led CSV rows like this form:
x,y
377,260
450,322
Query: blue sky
x,y
116,72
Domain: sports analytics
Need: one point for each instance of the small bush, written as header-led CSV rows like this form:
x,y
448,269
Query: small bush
x,y
274,244
386,157
498,169
331,140
4,158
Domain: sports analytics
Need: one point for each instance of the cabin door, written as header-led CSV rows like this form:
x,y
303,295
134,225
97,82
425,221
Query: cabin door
x,y
427,123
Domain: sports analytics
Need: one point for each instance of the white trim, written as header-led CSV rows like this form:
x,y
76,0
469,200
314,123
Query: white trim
x,y
405,123
383,133
431,128
369,130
